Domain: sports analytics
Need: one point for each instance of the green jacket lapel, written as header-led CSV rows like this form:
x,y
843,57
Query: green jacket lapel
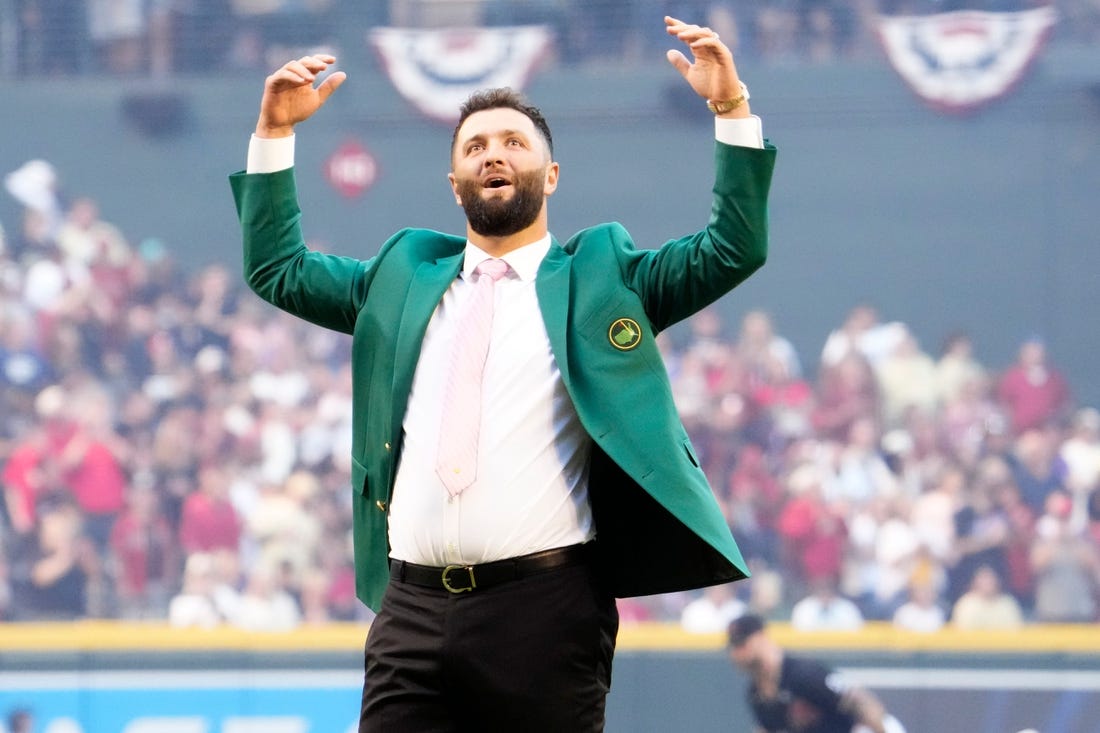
x,y
426,289
552,286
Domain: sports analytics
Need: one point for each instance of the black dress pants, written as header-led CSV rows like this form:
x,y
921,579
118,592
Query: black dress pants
x,y
531,655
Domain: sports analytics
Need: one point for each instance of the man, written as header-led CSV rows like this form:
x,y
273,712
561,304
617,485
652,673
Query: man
x,y
494,581
790,694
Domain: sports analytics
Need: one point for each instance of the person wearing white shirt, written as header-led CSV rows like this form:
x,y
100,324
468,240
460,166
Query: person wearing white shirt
x,y
494,571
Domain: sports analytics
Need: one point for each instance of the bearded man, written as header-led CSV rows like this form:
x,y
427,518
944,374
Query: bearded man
x,y
518,461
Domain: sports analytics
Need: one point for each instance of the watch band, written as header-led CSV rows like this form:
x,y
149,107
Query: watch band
x,y
721,107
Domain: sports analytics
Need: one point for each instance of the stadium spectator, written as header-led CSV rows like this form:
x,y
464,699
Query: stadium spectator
x,y
759,346
283,526
847,392
862,474
812,533
1067,565
24,367
1019,576
54,573
1032,390
932,513
824,609
896,548
25,479
145,554
1080,454
1093,514
971,423
752,504
921,612
712,611
981,530
92,459
783,406
1036,466
985,605
266,604
5,589
194,606
863,333
907,381
209,522
956,369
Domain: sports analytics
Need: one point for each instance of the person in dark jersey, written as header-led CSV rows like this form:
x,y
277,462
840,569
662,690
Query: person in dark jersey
x,y
792,694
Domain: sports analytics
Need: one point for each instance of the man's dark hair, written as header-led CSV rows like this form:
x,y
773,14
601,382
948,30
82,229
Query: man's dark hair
x,y
742,627
503,97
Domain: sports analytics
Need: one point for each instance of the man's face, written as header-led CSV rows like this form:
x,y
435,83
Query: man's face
x,y
745,654
501,172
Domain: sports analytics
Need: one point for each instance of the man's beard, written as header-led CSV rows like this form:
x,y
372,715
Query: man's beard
x,y
497,217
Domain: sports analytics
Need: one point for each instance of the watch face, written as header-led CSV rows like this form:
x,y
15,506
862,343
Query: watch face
x,y
728,105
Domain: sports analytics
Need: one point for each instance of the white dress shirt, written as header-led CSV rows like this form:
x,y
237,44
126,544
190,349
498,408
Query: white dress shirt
x,y
531,491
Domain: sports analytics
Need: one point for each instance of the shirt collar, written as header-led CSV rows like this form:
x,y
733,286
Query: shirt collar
x,y
524,261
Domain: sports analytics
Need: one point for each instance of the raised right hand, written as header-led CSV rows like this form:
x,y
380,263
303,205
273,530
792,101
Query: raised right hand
x,y
290,97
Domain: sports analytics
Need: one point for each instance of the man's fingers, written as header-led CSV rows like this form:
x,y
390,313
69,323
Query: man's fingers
x,y
307,67
300,69
317,62
300,72
679,61
330,85
687,32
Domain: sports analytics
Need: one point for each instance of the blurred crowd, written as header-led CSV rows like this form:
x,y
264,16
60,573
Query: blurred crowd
x,y
158,37
171,448
895,485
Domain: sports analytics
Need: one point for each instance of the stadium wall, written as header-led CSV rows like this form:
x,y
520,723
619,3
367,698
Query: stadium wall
x,y
103,677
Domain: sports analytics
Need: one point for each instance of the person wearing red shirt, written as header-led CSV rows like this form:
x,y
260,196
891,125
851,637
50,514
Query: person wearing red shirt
x,y
209,521
145,556
1031,390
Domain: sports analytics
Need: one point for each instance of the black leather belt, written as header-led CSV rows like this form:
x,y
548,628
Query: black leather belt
x,y
465,578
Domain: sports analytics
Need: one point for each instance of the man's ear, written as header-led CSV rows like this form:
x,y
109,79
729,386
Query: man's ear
x,y
553,170
454,188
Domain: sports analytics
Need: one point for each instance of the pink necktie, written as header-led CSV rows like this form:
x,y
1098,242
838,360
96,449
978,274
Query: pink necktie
x,y
456,463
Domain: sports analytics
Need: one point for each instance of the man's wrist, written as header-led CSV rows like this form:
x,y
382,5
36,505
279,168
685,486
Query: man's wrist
x,y
737,107
269,133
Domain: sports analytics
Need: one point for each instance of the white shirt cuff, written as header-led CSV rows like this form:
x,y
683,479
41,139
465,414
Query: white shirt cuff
x,y
747,132
270,154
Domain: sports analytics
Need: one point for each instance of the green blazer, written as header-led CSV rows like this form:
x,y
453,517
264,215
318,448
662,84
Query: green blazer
x,y
659,528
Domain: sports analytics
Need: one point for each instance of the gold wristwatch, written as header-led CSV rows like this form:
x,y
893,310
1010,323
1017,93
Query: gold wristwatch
x,y
728,105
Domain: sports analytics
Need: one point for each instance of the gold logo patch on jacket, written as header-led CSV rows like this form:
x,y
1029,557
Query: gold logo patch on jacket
x,y
625,334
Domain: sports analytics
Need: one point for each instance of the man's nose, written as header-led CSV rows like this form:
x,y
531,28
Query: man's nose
x,y
494,154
